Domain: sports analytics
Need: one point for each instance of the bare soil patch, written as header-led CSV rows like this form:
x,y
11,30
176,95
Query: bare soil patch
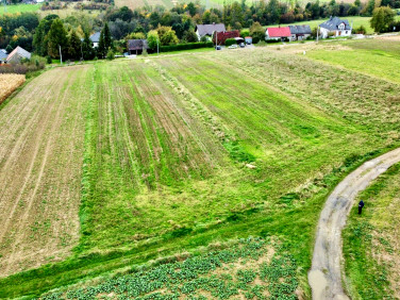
x,y
40,170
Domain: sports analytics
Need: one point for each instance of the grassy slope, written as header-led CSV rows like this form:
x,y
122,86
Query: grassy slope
x,y
382,57
166,145
371,241
20,8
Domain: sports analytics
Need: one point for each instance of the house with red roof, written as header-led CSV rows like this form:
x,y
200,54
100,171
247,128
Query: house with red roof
x,y
277,33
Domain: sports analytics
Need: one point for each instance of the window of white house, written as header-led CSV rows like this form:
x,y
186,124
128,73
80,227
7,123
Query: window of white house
x,y
341,26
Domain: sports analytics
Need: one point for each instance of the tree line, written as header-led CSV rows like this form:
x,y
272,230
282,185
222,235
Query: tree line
x,y
159,24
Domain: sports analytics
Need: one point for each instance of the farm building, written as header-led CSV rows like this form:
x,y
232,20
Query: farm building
x,y
95,38
208,30
335,26
277,33
299,32
137,46
3,55
17,55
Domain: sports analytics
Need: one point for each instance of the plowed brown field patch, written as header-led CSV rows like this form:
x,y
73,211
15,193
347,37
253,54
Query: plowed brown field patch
x,y
41,148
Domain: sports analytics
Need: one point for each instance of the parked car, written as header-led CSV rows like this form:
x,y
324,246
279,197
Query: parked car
x,y
218,48
232,47
241,45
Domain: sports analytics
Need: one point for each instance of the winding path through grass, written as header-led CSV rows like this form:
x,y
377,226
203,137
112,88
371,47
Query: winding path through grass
x,y
325,274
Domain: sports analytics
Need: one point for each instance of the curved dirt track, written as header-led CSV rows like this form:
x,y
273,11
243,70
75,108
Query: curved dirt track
x,y
325,274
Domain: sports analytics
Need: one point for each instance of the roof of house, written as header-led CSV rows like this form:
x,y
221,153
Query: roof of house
x,y
333,24
3,54
278,31
300,29
95,37
208,29
137,44
21,52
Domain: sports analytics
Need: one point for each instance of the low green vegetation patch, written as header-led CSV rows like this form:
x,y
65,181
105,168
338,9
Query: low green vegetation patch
x,y
250,268
19,8
371,241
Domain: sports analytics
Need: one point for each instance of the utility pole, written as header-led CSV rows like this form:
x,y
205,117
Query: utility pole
x,y
158,47
317,33
81,53
59,48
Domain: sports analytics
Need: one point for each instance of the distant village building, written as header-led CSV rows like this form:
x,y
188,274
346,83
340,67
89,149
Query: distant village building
x,y
208,30
299,32
17,55
95,38
277,33
137,46
335,26
3,55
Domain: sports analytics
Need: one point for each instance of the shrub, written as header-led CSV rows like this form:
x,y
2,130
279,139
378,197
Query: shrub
x,y
110,55
229,42
48,59
244,33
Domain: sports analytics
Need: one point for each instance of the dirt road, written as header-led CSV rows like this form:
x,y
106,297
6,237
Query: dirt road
x,y
325,274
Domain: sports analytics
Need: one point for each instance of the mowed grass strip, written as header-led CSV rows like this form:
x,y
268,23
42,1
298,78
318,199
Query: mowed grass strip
x,y
145,151
371,241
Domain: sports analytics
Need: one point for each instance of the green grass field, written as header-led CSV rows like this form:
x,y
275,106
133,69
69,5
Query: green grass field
x,y
381,56
184,151
371,241
20,8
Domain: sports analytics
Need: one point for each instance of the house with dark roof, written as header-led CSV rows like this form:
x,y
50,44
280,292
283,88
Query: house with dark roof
x,y
17,55
207,30
277,33
299,32
95,38
137,46
3,55
336,27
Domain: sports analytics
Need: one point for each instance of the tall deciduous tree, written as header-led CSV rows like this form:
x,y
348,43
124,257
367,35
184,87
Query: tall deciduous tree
x,y
381,19
57,36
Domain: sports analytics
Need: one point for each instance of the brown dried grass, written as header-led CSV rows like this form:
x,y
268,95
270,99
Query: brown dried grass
x,y
9,83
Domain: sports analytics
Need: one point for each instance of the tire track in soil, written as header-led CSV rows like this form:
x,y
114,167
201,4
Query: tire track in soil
x,y
325,276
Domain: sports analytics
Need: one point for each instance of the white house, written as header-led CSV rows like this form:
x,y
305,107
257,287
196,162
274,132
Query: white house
x,y
335,26
95,38
299,32
17,55
3,55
